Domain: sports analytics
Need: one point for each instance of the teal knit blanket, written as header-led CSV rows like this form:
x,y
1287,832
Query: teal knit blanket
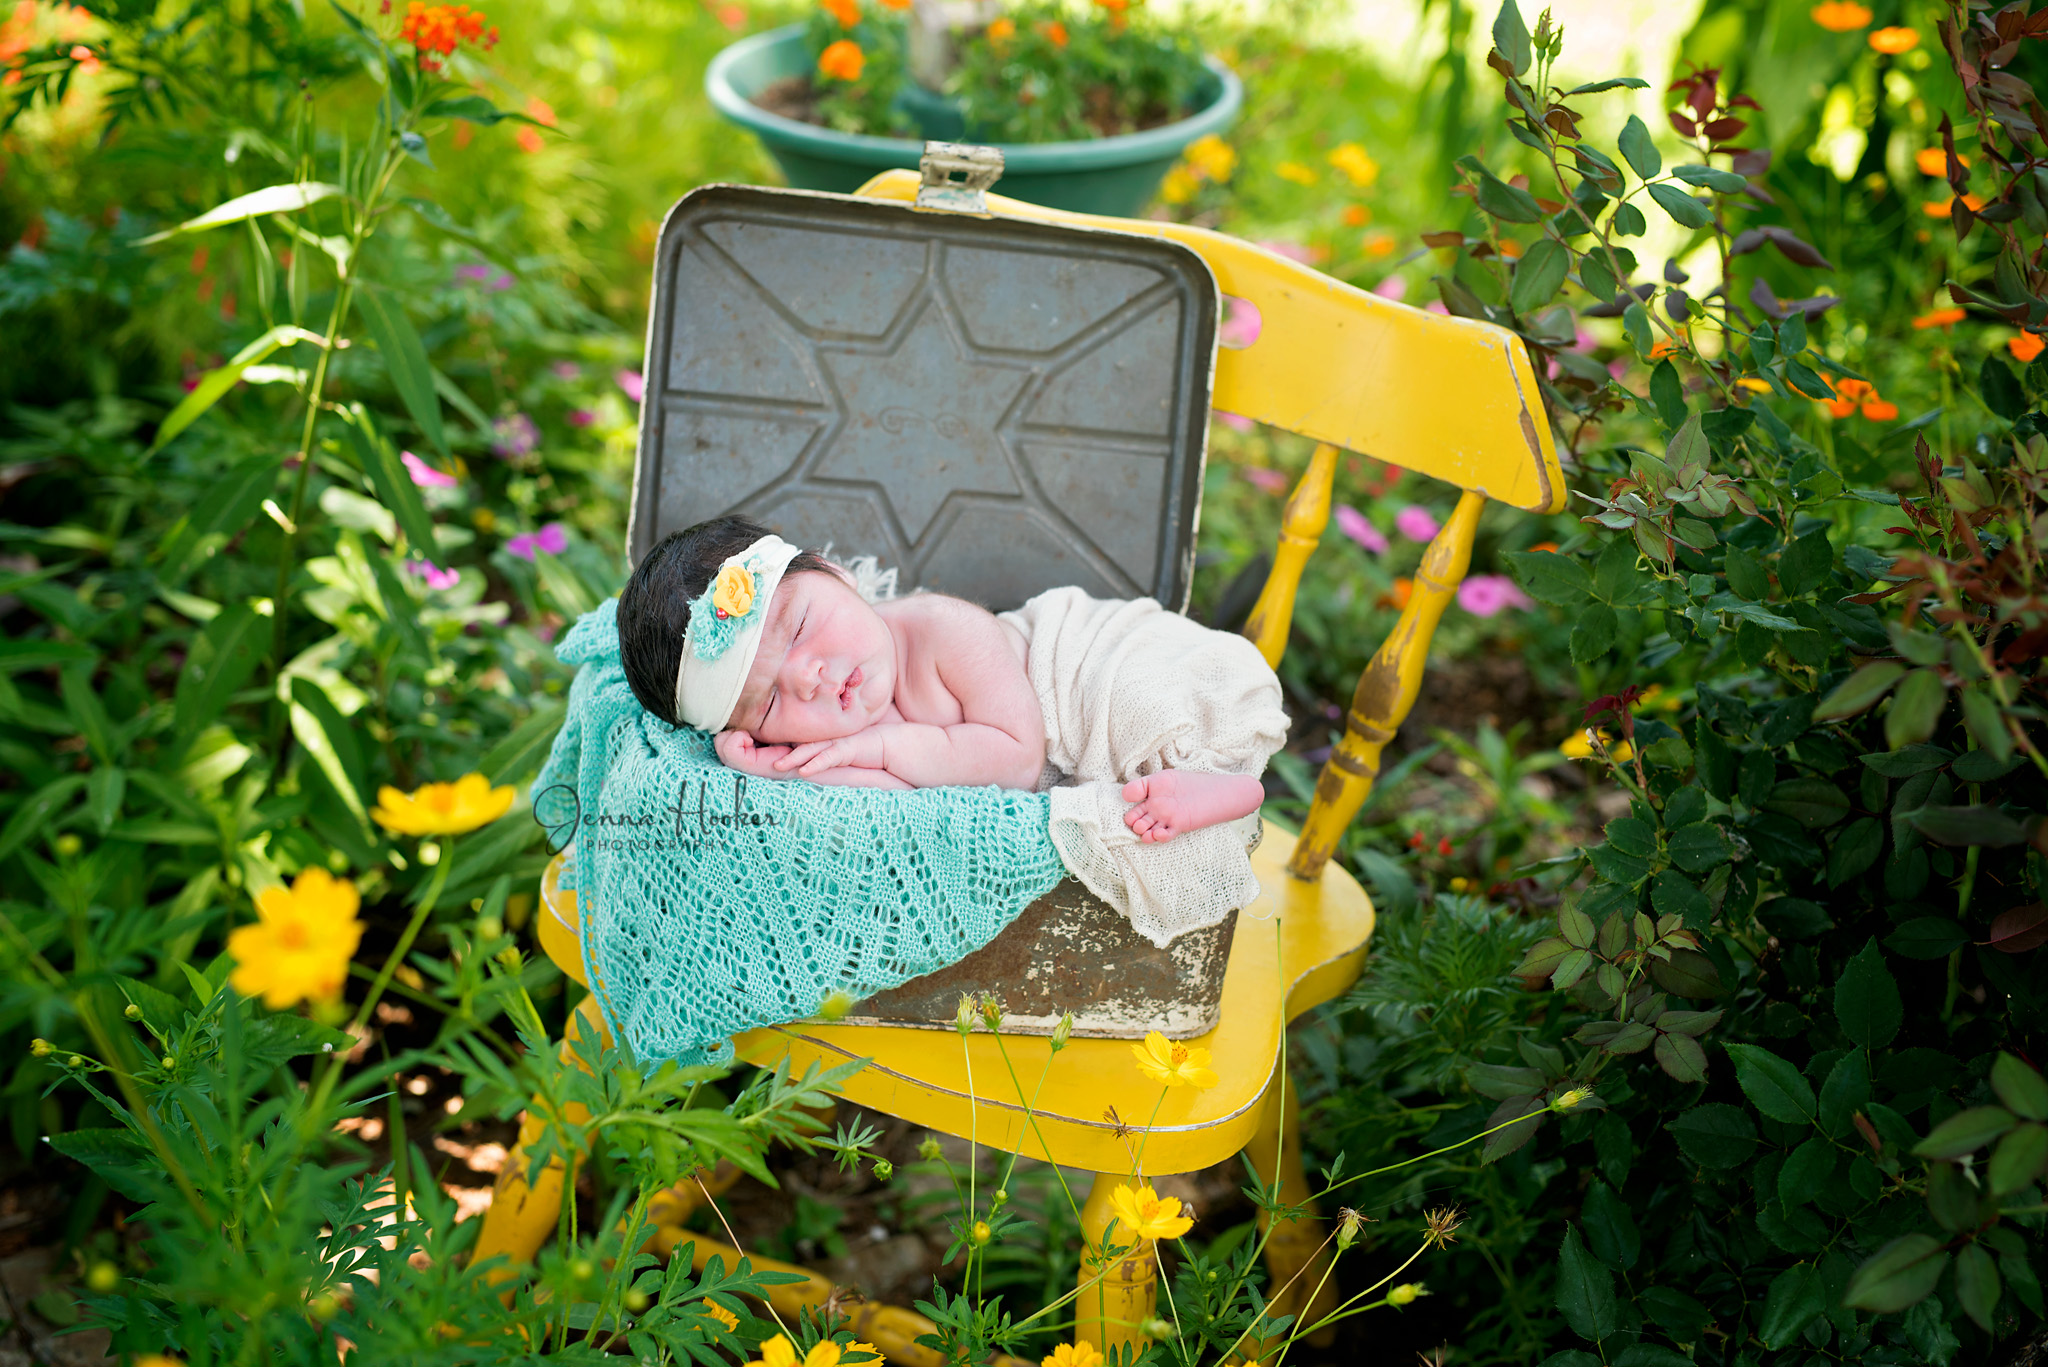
x,y
711,903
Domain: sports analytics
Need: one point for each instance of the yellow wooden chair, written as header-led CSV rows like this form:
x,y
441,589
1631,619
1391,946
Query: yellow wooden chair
x,y
1445,397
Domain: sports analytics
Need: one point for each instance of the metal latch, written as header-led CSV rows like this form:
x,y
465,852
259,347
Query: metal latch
x,y
957,176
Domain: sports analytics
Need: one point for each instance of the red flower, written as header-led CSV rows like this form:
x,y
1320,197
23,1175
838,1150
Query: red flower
x,y
1443,846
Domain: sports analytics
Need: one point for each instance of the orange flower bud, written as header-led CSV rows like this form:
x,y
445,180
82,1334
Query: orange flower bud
x,y
842,61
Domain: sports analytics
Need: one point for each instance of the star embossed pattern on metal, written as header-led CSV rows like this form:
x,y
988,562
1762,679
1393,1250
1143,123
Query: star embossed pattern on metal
x,y
994,407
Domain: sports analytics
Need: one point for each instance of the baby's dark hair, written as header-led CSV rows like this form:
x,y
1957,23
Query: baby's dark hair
x,y
654,611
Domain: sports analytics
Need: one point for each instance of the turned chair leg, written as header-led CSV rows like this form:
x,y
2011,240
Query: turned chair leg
x,y
1112,1308
522,1215
1296,1258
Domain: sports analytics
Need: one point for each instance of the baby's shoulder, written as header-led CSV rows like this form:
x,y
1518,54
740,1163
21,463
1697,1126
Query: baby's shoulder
x,y
935,610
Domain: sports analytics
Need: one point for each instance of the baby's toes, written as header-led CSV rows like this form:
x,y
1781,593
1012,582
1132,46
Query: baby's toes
x,y
1134,791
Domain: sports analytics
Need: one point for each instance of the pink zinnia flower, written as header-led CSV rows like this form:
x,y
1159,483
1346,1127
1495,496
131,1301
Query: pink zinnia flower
x,y
634,385
581,417
480,274
1483,595
1415,523
425,475
434,575
1241,323
1233,421
1393,287
566,370
1272,481
1436,306
1293,251
552,539
1353,524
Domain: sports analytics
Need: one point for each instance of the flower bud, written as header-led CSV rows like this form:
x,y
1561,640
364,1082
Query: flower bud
x,y
1405,1293
582,1269
41,1048
1062,1032
883,1170
508,958
322,1308
1002,1195
636,1300
836,1005
75,1061
68,844
1348,1223
103,1277
489,928
1157,1328
133,1012
1572,1099
963,1014
982,1233
991,1013
930,1151
169,1061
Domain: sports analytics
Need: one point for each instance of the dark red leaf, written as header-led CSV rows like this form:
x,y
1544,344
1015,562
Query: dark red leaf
x,y
1721,129
2021,929
1750,161
1443,239
1744,102
1702,99
1686,127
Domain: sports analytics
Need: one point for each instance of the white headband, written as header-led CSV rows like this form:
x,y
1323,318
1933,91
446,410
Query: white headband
x,y
725,632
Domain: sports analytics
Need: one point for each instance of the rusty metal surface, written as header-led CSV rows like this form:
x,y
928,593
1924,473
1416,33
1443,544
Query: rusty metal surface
x,y
1070,951
995,407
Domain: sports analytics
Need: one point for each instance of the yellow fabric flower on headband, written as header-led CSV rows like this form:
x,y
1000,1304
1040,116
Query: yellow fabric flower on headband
x,y
733,595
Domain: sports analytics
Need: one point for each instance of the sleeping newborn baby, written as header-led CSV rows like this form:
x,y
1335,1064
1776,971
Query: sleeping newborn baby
x,y
1147,727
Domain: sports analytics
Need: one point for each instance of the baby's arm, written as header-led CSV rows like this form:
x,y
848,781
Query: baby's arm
x,y
1000,738
737,750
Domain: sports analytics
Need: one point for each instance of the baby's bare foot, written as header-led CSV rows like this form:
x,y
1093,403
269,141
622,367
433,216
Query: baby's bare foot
x,y
1175,801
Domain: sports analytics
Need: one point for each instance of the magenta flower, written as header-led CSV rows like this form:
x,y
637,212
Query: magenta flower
x,y
1483,595
1272,481
1435,306
1242,323
477,273
1353,524
552,539
581,417
634,385
434,575
1233,421
1415,523
1393,287
566,370
514,436
425,475
1293,251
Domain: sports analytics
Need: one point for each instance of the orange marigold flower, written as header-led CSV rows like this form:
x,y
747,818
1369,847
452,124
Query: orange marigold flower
x,y
1398,594
895,4
847,12
842,61
1839,408
1940,318
1550,546
1840,16
1116,7
1056,31
435,31
2025,347
1940,209
1356,215
1893,41
530,140
1002,30
1855,389
1932,161
540,111
1661,348
1877,410
1378,245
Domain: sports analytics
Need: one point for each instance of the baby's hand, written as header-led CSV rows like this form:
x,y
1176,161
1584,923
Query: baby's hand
x,y
862,750
737,750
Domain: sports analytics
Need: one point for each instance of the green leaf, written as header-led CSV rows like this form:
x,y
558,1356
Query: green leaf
x,y
1813,802
1715,760
1628,221
1597,277
1681,1057
1808,1166
1794,918
1612,83
1901,1273
1673,894
217,666
1551,578
1616,579
118,1157
314,737
1715,1135
230,502
1916,709
1965,1132
1585,1290
1511,37
1795,1300
1635,321
1867,1000
32,815
1635,144
1772,1085
1805,564
1846,1092
1593,634
2001,390
272,199
1860,690
1855,849
1976,1284
1667,393
74,685
1506,202
411,374
1927,937
1908,761
476,109
2021,1088
1610,1229
1713,178
1986,720
2018,1160
513,757
1538,276
1685,211
393,483
215,383
1967,826
1632,836
1688,973
1698,847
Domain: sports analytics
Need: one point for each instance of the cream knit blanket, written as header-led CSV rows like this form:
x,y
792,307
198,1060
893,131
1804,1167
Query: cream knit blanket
x,y
1128,689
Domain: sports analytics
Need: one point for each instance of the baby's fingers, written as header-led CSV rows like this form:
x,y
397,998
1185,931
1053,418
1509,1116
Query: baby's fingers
x,y
831,757
797,754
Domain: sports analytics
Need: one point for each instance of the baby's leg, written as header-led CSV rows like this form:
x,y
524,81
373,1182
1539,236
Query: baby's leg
x,y
1174,801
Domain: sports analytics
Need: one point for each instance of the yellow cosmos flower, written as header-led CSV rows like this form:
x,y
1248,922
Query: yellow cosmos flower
x,y
734,595
442,808
868,1348
1179,186
1211,156
300,946
1078,1354
1145,1214
718,1312
1296,172
1176,1065
1355,163
780,1352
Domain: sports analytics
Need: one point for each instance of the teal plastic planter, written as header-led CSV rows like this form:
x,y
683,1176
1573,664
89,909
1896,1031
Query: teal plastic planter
x,y
1114,176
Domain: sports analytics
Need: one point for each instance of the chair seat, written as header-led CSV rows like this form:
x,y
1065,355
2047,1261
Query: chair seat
x,y
1298,946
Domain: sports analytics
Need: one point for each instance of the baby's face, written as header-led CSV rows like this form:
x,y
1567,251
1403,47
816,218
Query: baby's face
x,y
826,667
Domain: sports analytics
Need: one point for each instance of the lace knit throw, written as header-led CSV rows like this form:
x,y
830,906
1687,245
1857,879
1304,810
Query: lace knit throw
x,y
711,904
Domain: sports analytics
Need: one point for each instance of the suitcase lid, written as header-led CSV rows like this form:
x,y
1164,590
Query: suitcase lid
x,y
991,406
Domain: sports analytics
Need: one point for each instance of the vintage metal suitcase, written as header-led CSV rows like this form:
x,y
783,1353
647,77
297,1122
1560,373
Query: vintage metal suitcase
x,y
993,407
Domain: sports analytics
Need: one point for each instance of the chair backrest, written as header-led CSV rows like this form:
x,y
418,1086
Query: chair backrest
x,y
992,407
